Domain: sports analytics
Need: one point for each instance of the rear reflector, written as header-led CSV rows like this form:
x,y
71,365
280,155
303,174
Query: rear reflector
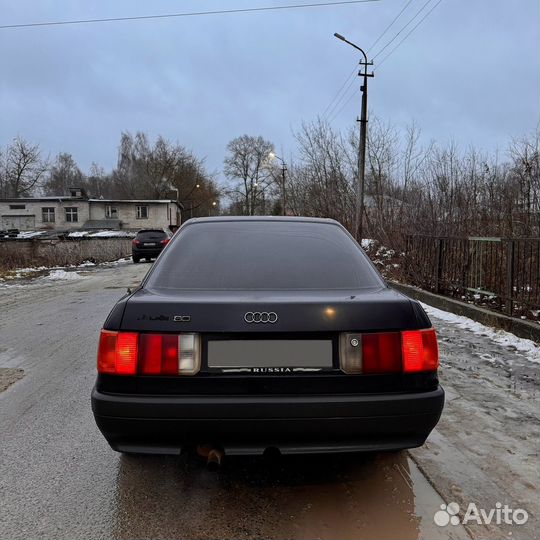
x,y
389,352
129,353
381,353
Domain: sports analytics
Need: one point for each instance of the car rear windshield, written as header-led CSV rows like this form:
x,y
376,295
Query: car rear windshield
x,y
148,236
263,255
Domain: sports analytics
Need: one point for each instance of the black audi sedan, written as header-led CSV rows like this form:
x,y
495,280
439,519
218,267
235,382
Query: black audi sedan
x,y
263,333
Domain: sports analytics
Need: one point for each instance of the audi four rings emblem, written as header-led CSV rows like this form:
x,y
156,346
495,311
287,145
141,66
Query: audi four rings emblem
x,y
260,317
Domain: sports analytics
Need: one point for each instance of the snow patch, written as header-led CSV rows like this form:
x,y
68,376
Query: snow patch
x,y
30,234
116,263
112,234
367,243
57,275
527,347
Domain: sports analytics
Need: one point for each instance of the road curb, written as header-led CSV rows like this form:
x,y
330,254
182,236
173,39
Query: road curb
x,y
519,327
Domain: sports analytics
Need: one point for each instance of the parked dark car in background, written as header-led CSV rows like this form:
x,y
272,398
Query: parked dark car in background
x,y
148,244
257,333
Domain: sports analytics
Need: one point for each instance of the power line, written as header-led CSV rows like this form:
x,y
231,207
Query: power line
x,y
333,104
403,28
390,25
186,14
409,33
345,103
338,102
352,74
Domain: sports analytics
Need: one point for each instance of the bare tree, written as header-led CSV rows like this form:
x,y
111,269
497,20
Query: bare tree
x,y
247,166
162,170
63,174
525,173
23,168
3,178
322,182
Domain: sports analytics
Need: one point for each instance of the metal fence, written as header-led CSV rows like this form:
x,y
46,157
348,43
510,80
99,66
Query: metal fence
x,y
498,273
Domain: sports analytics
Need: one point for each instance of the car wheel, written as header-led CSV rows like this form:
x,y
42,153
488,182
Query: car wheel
x,y
136,259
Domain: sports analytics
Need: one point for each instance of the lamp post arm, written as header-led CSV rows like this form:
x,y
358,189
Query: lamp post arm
x,y
339,36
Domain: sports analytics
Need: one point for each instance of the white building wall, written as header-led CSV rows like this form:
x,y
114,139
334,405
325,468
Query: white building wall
x,y
31,216
160,215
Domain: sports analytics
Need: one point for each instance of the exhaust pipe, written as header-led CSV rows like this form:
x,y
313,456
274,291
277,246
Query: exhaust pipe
x,y
214,456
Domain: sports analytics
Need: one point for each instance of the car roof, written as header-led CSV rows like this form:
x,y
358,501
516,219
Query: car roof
x,y
288,219
152,231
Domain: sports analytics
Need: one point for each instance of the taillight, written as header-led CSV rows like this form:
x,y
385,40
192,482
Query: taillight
x,y
420,350
136,242
166,241
130,353
117,353
389,352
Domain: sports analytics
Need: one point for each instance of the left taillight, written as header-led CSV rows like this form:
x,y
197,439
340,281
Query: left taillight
x,y
389,352
131,353
118,353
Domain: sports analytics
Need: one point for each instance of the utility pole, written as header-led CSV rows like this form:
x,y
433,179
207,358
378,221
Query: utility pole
x,y
271,157
283,180
360,187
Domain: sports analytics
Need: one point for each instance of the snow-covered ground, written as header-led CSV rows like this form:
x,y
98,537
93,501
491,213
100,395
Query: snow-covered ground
x,y
22,277
528,348
30,234
485,447
80,234
102,234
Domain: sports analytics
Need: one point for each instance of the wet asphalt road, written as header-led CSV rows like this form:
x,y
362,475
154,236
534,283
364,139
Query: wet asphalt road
x,y
59,478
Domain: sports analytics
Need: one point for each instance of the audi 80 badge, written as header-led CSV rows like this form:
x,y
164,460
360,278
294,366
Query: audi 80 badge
x,y
251,333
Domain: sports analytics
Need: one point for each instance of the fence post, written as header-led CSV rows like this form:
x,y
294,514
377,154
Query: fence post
x,y
439,265
510,249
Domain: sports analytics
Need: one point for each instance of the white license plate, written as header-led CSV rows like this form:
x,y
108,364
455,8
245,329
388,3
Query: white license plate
x,y
149,244
270,353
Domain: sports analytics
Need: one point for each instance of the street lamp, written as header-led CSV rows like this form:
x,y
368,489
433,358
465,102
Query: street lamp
x,y
359,210
271,157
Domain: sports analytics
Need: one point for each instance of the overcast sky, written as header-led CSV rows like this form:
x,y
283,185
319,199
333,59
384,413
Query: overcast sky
x,y
470,72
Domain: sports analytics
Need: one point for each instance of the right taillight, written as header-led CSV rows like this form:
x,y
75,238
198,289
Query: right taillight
x,y
420,350
131,353
389,352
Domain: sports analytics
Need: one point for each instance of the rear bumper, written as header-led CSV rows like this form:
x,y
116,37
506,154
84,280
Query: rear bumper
x,y
249,424
142,253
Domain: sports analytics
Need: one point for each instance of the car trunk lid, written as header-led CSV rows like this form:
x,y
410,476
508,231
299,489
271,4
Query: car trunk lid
x,y
377,309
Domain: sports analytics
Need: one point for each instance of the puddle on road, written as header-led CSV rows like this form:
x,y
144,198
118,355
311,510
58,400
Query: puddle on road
x,y
378,496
